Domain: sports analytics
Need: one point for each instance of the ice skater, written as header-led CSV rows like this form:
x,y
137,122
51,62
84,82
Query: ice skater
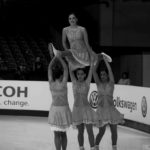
x,y
108,114
79,45
78,51
83,116
60,117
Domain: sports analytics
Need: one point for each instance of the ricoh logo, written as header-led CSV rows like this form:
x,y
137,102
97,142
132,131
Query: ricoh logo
x,y
144,106
10,91
12,96
93,99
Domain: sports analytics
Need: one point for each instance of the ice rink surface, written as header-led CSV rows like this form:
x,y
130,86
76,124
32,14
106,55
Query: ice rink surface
x,y
33,133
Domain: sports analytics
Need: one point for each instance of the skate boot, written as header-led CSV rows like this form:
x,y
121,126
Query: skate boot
x,y
92,148
96,147
114,147
81,148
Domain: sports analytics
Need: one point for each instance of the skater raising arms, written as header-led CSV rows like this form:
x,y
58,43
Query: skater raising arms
x,y
60,117
106,110
83,116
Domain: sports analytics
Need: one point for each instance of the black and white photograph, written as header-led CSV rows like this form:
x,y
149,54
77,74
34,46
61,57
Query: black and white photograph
x,y
75,75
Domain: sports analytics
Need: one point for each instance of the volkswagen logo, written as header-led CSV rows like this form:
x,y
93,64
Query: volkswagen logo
x,y
93,99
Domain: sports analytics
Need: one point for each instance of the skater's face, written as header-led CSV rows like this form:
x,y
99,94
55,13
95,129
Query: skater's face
x,y
104,76
80,75
72,19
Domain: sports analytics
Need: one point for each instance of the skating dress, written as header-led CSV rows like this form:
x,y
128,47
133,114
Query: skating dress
x,y
77,47
106,110
82,111
60,117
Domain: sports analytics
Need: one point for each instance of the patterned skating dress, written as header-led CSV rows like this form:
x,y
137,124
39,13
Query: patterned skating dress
x,y
60,117
106,111
77,47
82,111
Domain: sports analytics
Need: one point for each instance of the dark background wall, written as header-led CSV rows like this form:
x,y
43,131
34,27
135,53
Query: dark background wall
x,y
119,28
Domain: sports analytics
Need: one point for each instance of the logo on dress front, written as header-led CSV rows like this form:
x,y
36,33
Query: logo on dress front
x,y
93,99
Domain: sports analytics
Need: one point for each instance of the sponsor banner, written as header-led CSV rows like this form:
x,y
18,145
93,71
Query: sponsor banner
x,y
132,101
24,95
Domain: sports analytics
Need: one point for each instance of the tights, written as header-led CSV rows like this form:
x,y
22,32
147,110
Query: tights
x,y
81,134
60,139
113,129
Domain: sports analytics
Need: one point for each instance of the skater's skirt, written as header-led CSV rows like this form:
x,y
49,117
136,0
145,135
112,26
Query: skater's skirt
x,y
84,114
109,115
60,118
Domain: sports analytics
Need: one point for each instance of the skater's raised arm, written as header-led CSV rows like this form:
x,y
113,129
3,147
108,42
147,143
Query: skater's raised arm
x,y
110,73
72,75
65,72
90,73
95,74
50,77
50,48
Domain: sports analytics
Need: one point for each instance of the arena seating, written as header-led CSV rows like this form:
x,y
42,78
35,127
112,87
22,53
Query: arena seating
x,y
22,50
